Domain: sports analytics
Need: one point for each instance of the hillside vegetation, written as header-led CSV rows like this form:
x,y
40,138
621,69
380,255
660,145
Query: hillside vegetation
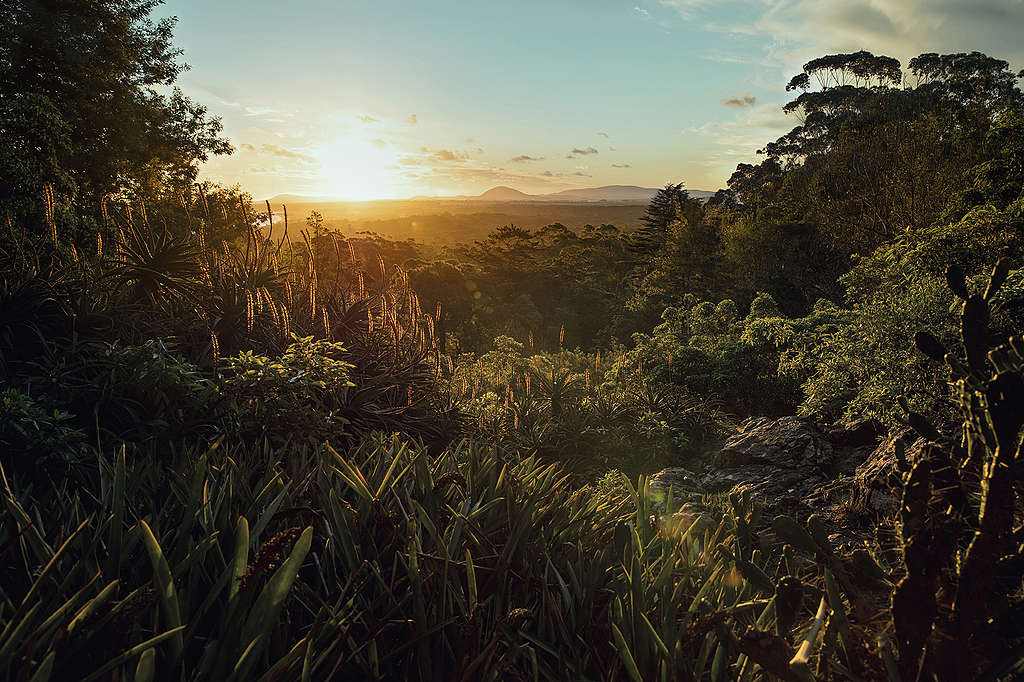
x,y
239,449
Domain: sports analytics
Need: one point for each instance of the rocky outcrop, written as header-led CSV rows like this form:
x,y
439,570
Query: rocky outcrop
x,y
792,466
778,461
684,483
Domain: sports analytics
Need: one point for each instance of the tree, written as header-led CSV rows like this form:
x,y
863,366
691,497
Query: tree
x,y
869,158
670,204
98,75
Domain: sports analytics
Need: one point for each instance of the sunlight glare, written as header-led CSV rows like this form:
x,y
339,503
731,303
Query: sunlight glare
x,y
357,170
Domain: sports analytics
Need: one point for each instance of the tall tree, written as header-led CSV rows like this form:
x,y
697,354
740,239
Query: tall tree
x,y
666,207
877,150
88,103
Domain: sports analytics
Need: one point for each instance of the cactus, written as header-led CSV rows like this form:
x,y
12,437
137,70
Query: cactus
x,y
956,552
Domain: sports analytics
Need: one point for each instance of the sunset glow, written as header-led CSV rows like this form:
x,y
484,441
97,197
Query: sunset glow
x,y
358,170
397,99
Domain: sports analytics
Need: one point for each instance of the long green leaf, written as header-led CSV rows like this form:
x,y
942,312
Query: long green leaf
x,y
132,653
165,587
263,616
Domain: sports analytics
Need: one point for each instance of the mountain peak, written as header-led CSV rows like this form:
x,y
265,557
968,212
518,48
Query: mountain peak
x,y
502,193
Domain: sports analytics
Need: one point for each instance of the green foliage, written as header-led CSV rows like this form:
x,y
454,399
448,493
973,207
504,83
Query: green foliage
x,y
145,391
34,433
865,364
587,412
463,565
707,350
955,572
295,397
140,135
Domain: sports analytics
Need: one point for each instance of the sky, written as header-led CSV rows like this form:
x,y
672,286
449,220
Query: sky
x,y
382,99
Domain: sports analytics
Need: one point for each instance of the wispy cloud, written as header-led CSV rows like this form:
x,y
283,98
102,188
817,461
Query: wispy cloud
x,y
575,174
581,152
522,158
260,111
366,118
640,10
686,8
621,165
737,140
429,157
604,135
285,153
413,119
726,58
740,101
448,156
793,31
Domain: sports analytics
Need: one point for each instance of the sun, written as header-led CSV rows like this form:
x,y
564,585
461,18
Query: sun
x,y
358,170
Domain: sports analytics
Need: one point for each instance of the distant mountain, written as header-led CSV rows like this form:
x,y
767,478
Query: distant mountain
x,y
504,194
623,194
606,193
301,199
617,193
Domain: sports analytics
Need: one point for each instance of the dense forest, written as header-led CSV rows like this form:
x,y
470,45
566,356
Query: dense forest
x,y
228,455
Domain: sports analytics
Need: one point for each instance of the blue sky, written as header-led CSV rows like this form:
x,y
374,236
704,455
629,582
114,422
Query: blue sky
x,y
384,98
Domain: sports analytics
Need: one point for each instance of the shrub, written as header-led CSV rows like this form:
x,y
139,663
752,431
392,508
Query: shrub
x,y
298,396
36,434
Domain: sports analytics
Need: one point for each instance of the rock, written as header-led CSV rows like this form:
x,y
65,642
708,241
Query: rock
x,y
685,485
777,460
789,442
793,467
701,517
858,434
877,478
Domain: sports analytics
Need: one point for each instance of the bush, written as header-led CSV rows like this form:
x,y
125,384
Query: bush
x,y
35,434
297,397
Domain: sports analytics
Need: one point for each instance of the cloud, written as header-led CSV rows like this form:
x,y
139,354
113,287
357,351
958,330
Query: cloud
x,y
686,8
726,58
366,118
576,174
260,111
378,143
621,165
604,135
640,10
740,101
737,140
428,157
523,157
284,153
446,155
794,31
413,119
247,147
581,152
